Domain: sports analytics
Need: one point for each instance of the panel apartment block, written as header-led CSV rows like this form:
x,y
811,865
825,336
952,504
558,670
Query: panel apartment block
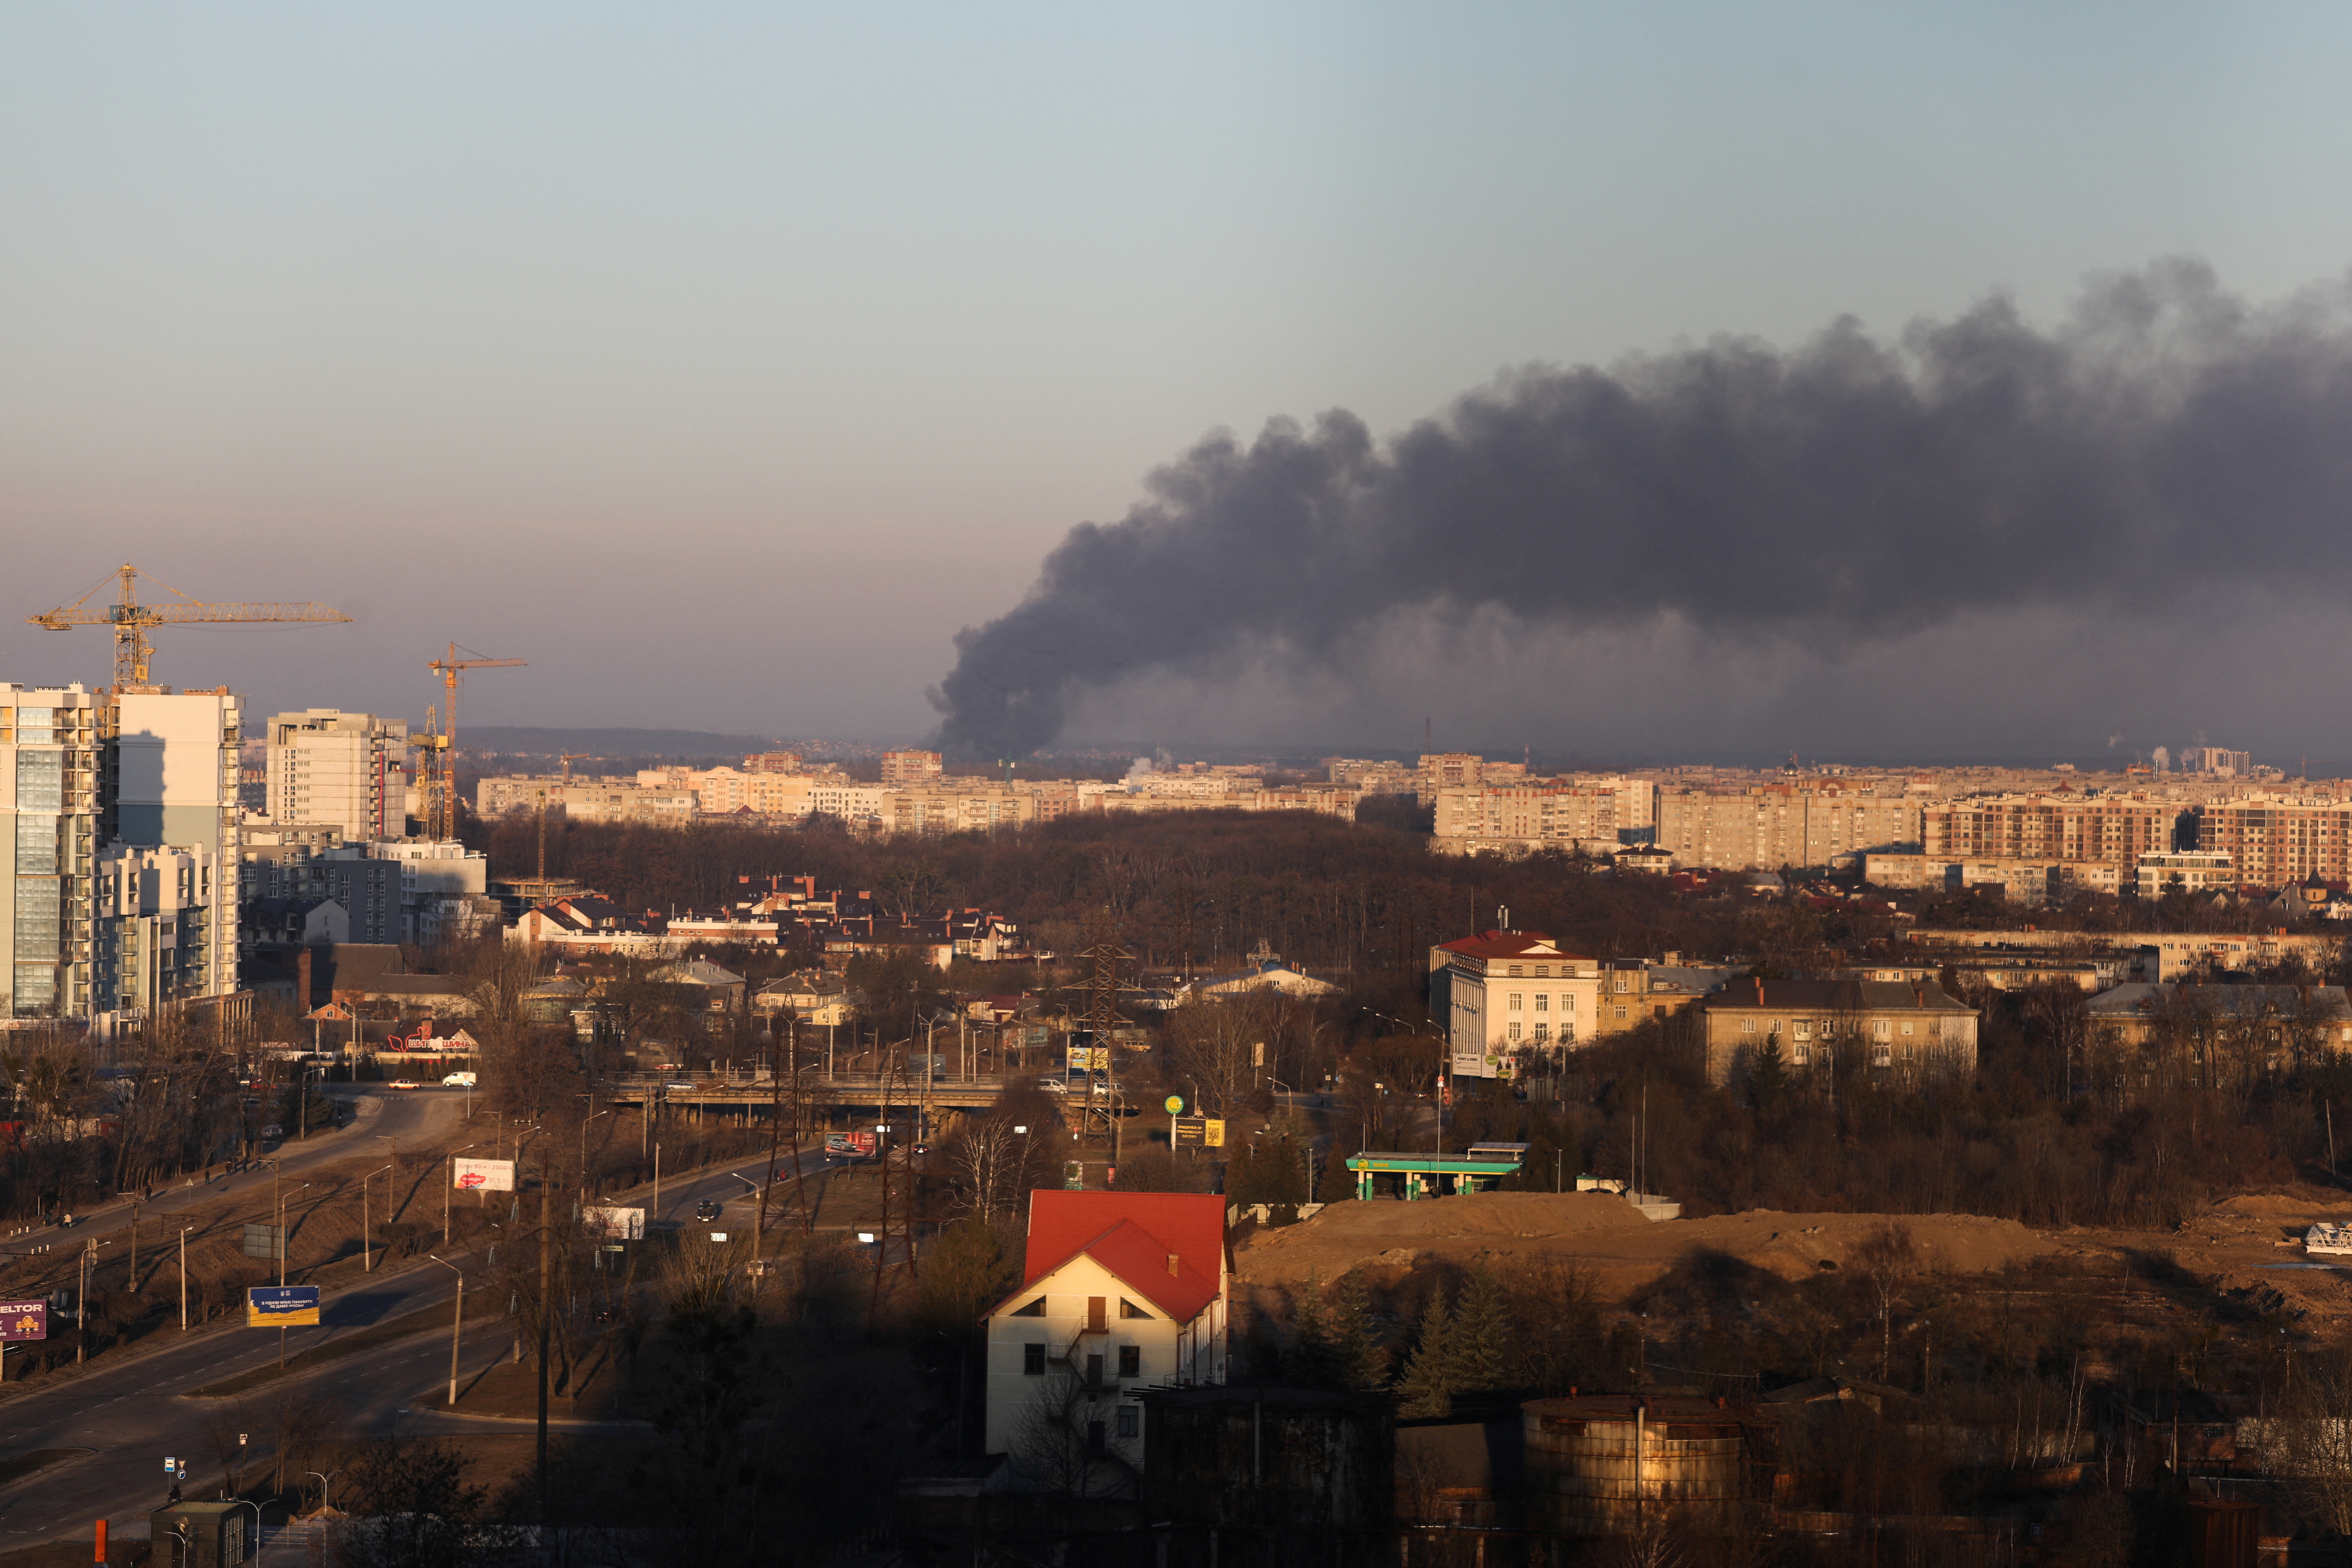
x,y
348,769
1770,825
2059,828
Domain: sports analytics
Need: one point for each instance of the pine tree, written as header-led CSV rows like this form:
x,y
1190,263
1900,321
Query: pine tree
x,y
1357,1355
1310,1357
1482,1335
1428,1382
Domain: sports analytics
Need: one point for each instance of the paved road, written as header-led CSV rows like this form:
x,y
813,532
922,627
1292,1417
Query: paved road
x,y
134,1413
411,1117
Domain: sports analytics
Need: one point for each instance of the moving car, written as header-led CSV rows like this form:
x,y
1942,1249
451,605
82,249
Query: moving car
x,y
404,1083
459,1080
706,1209
1053,1086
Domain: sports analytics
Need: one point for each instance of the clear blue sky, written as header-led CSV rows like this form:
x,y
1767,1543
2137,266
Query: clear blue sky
x,y
723,360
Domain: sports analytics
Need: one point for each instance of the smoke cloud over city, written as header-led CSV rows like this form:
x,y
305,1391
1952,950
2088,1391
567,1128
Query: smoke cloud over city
x,y
1846,496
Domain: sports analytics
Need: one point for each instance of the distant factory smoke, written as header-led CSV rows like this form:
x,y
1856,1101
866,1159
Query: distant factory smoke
x,y
2164,439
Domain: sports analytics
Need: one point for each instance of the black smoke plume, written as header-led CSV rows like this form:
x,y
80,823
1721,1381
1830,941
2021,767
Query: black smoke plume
x,y
2164,439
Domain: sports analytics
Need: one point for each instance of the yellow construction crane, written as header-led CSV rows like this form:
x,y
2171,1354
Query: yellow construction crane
x,y
131,620
440,789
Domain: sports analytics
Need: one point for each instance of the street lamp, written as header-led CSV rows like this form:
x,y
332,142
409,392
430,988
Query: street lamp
x,y
448,1184
323,1479
248,1502
457,1322
184,1277
367,1254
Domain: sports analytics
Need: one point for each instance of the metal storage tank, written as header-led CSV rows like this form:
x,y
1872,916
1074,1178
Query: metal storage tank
x,y
1610,1464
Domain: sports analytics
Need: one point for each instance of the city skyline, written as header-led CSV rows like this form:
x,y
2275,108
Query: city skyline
x,y
824,330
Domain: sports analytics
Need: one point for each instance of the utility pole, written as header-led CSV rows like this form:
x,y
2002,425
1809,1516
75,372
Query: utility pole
x,y
546,1307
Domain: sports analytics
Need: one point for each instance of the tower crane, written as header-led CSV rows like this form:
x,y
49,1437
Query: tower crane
x,y
131,619
440,802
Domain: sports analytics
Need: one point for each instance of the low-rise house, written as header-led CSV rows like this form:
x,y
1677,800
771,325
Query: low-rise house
x,y
711,988
1267,974
1119,1293
1906,1029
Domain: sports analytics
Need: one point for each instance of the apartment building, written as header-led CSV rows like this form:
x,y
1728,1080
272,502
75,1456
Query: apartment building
x,y
1371,777
1764,827
349,769
1634,991
52,742
1889,1028
2272,840
911,767
173,783
156,940
2060,828
2165,954
1510,994
1516,819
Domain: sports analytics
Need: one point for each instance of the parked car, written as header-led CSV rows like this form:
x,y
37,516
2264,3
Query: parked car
x,y
706,1209
273,1130
1053,1086
459,1080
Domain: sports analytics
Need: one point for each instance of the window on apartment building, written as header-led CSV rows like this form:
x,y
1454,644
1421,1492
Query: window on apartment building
x,y
1514,972
1543,1002
1746,1026
1804,1054
1519,1002
1882,1028
1032,1361
1130,1361
1128,1308
1620,1015
1882,1057
1622,983
1543,971
1543,1033
1513,1031
1804,1029
1907,1027
1130,1421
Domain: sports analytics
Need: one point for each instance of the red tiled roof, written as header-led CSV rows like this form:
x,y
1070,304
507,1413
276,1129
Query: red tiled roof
x,y
1132,1234
1507,944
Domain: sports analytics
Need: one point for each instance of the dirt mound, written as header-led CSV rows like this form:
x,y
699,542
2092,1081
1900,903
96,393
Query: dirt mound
x,y
2268,1203
1604,1234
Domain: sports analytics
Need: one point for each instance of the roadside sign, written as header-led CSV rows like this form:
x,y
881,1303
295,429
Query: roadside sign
x,y
1190,1132
1084,1059
24,1321
484,1176
1175,1105
1073,1175
264,1240
1213,1133
170,1466
281,1306
614,1224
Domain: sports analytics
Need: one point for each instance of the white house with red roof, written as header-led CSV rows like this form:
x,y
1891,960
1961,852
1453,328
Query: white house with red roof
x,y
1513,993
1119,1293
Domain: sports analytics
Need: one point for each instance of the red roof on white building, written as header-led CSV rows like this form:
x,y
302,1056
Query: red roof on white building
x,y
1500,945
1170,1247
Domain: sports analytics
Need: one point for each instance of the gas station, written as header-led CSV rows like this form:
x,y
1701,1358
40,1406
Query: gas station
x,y
1432,1175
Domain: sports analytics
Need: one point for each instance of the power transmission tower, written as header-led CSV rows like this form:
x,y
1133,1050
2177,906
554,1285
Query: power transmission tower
x,y
1099,1025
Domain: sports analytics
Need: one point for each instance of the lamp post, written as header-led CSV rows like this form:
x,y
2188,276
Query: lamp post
x,y
323,1478
81,1296
367,1254
248,1502
184,1277
584,1146
456,1322
391,1155
282,1248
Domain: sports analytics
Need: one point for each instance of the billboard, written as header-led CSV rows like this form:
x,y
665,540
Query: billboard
x,y
850,1145
281,1306
614,1224
24,1321
265,1241
484,1176
1089,1059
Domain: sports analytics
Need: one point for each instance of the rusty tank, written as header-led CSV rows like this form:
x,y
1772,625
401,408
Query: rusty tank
x,y
1605,1465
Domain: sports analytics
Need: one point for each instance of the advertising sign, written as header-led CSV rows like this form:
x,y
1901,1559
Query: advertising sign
x,y
24,1321
1190,1132
1213,1133
1089,1059
614,1224
485,1175
263,1240
281,1306
850,1145
1175,1103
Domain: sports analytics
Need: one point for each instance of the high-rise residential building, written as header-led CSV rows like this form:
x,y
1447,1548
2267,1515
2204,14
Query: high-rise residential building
x,y
348,769
1770,825
910,767
156,940
2060,828
171,782
2273,841
52,745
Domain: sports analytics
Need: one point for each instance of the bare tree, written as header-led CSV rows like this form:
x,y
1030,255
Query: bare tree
x,y
1885,1258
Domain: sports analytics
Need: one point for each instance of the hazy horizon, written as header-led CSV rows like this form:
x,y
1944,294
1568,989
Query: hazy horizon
x,y
726,365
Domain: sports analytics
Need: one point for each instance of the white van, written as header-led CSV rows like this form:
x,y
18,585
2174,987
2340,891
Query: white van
x,y
459,1080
